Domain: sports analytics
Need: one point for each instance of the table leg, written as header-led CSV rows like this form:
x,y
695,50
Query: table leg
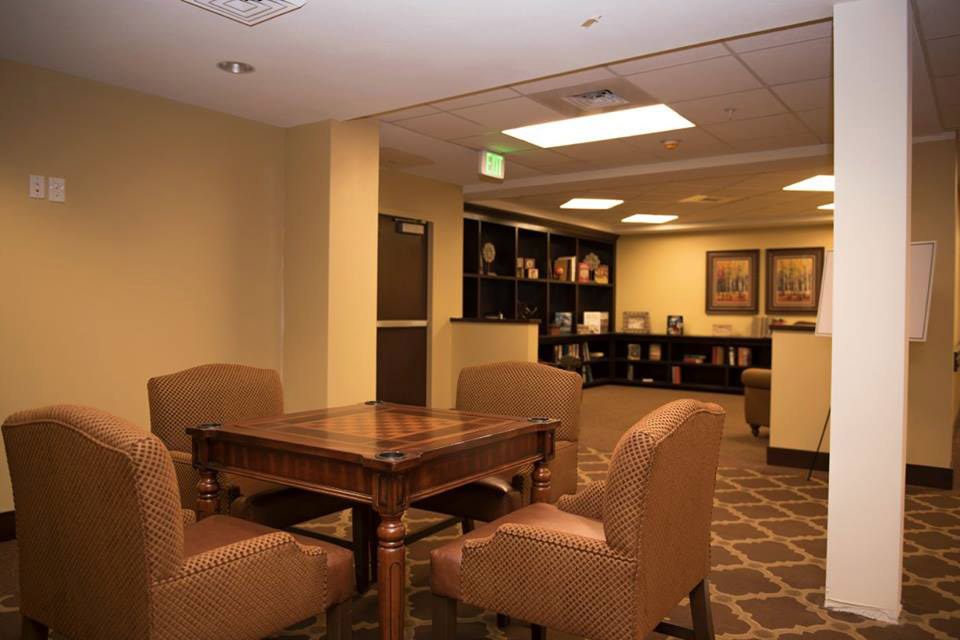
x,y
541,482
391,575
208,493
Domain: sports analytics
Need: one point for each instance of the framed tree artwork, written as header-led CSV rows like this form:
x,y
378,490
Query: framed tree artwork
x,y
732,281
793,280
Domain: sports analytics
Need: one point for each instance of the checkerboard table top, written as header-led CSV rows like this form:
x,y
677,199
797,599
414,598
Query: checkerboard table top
x,y
380,430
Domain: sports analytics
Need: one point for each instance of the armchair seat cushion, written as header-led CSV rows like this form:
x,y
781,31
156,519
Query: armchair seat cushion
x,y
219,531
445,561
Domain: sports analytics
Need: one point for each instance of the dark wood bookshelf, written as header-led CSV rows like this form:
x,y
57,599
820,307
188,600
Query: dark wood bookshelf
x,y
516,235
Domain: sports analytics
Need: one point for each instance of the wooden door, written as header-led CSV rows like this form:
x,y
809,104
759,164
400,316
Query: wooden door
x,y
402,304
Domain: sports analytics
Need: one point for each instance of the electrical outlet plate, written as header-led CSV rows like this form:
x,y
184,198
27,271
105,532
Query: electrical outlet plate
x,y
57,189
37,187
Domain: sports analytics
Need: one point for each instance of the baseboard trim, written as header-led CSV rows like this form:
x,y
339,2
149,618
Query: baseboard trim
x,y
8,527
917,474
891,616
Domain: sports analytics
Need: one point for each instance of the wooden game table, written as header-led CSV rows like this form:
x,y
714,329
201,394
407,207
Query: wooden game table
x,y
385,455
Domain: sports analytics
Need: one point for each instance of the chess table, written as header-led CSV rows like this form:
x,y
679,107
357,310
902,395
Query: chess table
x,y
384,455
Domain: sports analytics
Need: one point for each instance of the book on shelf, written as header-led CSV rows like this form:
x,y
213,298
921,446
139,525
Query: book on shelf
x,y
565,268
586,352
743,356
716,355
629,372
563,322
593,321
634,351
587,373
520,262
655,352
731,356
675,375
583,272
601,275
694,358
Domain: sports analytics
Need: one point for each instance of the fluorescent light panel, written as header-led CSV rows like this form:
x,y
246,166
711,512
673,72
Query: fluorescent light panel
x,y
649,218
826,207
816,183
637,121
590,203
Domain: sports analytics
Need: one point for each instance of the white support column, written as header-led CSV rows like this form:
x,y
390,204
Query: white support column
x,y
872,131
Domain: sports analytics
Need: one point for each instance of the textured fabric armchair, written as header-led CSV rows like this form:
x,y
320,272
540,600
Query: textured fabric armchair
x,y
222,393
756,398
516,389
107,552
609,562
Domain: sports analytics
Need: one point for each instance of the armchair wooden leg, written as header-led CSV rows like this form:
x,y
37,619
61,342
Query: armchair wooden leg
x,y
340,621
466,525
360,516
700,608
503,621
444,618
33,630
537,632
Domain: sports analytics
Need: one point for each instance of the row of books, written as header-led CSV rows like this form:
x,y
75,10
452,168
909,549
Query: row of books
x,y
635,351
567,268
593,322
577,350
733,356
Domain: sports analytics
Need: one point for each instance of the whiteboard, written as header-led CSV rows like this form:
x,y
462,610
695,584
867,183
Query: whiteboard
x,y
919,288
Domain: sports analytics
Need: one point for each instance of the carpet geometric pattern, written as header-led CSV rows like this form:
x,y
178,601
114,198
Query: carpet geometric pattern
x,y
768,550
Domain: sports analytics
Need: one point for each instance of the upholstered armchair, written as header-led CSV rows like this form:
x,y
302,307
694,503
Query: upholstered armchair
x,y
756,398
107,552
609,562
516,389
223,393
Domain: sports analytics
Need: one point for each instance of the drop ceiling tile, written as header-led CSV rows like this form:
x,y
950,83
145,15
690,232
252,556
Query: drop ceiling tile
x,y
514,170
696,80
948,90
565,80
567,167
694,139
781,37
672,59
939,18
806,95
746,104
538,158
413,112
820,121
495,142
443,126
475,99
737,130
507,114
944,56
607,149
776,142
792,62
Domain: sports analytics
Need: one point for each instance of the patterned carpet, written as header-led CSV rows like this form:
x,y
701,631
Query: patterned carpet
x,y
769,543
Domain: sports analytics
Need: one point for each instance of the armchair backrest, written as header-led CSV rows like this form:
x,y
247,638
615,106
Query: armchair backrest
x,y
98,519
658,500
523,389
210,393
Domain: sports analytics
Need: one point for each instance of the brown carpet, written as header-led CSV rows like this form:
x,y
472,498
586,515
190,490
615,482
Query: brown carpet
x,y
769,543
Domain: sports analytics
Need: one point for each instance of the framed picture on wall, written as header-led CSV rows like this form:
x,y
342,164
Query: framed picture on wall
x,y
732,281
793,280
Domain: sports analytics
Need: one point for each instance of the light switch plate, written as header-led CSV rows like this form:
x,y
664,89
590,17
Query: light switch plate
x,y
57,189
37,187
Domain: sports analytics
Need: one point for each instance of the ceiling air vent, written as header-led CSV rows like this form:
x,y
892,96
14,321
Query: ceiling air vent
x,y
597,99
701,199
249,12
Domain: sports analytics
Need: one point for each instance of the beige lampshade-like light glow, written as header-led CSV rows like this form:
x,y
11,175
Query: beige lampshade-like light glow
x,y
637,121
649,218
590,203
816,183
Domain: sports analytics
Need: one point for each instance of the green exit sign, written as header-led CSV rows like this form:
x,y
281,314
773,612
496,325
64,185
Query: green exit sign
x,y
492,165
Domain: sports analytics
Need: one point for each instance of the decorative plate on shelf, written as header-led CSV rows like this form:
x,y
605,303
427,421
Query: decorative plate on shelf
x,y
592,260
489,252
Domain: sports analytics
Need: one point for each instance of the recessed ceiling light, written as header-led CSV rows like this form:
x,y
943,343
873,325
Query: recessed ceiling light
x,y
233,66
826,207
649,218
590,203
637,121
816,183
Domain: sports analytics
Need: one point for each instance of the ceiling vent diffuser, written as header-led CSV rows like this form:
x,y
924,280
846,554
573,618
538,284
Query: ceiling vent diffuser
x,y
249,12
703,199
597,99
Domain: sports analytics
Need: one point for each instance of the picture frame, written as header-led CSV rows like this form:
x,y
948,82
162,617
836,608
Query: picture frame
x,y
733,282
793,280
636,322
674,325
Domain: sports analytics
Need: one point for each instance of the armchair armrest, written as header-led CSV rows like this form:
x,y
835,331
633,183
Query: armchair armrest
x,y
189,516
587,503
579,581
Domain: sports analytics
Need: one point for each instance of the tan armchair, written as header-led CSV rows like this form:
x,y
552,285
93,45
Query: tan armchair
x,y
516,389
756,398
611,561
107,552
222,393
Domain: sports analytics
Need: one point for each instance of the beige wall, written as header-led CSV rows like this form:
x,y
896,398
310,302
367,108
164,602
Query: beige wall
x,y
799,390
477,343
441,204
166,253
665,274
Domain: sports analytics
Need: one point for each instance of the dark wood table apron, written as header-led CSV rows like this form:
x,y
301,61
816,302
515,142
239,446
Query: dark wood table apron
x,y
386,455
